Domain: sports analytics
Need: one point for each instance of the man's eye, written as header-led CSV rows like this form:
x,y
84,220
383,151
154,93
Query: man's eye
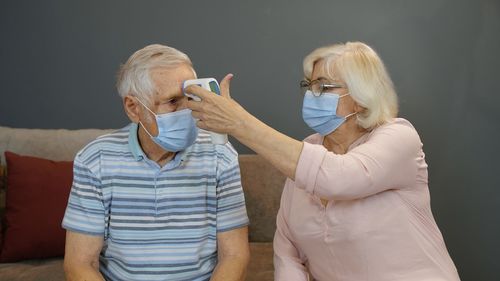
x,y
172,101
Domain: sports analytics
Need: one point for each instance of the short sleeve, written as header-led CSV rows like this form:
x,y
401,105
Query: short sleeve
x,y
85,210
231,209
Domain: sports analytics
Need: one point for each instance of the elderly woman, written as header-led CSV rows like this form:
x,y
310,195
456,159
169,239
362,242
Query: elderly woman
x,y
356,202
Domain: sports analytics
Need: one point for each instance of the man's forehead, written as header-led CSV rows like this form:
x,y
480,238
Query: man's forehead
x,y
176,73
170,80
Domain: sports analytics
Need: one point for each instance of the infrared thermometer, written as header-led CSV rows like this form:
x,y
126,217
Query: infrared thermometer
x,y
209,84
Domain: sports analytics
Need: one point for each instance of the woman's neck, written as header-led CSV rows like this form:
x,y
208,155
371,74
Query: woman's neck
x,y
341,139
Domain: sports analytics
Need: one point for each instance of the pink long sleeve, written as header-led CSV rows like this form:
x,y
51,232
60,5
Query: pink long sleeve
x,y
387,161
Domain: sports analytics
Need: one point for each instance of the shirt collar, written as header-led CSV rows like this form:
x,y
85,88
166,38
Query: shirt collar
x,y
133,143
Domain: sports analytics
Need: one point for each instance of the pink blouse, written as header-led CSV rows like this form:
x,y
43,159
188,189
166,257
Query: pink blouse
x,y
378,223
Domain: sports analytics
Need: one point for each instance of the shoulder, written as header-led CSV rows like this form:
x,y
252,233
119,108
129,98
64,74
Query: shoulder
x,y
397,126
398,132
114,142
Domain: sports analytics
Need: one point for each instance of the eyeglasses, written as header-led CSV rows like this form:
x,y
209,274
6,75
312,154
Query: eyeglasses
x,y
318,87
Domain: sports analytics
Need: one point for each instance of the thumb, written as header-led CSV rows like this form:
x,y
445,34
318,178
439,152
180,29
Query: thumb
x,y
224,85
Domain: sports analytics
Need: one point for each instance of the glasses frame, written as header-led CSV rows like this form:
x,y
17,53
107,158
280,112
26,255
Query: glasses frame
x,y
323,85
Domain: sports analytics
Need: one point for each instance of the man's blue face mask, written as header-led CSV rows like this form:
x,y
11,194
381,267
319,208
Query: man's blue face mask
x,y
320,112
176,130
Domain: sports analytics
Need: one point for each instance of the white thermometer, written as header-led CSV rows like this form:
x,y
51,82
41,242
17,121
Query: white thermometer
x,y
211,85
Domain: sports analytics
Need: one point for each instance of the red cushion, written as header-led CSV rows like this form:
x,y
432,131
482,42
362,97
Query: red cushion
x,y
37,194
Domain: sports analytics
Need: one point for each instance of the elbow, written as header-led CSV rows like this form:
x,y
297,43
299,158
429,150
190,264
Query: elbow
x,y
69,270
75,271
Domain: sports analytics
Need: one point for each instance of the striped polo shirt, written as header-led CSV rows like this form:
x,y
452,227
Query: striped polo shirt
x,y
158,223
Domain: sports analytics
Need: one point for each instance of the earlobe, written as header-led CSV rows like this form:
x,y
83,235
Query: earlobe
x,y
358,108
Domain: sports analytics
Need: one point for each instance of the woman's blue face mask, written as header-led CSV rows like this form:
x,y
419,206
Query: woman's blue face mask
x,y
176,130
320,112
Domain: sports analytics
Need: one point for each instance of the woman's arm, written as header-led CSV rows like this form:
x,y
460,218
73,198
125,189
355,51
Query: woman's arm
x,y
389,159
223,115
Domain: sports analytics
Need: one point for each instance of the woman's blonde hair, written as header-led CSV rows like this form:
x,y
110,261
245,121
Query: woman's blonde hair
x,y
365,75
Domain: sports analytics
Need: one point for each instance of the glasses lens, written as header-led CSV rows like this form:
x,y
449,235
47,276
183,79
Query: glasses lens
x,y
316,87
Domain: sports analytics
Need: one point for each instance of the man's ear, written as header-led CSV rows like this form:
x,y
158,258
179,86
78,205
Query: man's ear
x,y
131,106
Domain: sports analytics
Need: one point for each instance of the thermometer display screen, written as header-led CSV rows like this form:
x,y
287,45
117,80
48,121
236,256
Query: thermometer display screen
x,y
214,88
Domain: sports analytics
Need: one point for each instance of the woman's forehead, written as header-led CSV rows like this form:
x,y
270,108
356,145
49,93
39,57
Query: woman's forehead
x,y
325,71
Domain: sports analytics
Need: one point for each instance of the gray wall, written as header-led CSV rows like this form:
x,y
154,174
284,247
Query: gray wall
x,y
58,61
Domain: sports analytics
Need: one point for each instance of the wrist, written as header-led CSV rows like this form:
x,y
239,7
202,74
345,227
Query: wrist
x,y
244,127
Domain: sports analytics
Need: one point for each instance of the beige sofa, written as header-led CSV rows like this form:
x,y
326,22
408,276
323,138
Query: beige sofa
x,y
262,184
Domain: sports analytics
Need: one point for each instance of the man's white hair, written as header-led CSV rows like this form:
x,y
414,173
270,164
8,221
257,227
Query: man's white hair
x,y
366,77
134,77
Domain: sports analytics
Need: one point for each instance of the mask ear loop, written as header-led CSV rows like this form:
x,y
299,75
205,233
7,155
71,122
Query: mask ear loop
x,y
145,106
141,122
350,114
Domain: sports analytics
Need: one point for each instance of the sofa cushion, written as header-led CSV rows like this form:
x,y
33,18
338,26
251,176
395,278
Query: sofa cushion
x,y
262,185
261,266
33,270
3,174
3,180
53,144
36,198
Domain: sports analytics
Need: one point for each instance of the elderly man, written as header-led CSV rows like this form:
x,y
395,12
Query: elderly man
x,y
156,200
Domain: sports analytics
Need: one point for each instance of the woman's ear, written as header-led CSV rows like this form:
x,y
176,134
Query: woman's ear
x,y
132,109
358,108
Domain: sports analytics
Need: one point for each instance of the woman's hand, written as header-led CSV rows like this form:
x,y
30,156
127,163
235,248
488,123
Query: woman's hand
x,y
216,113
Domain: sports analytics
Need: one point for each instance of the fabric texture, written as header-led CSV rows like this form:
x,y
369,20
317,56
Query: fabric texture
x,y
35,202
377,224
157,222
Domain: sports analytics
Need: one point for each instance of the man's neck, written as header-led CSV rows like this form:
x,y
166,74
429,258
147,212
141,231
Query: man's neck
x,y
152,150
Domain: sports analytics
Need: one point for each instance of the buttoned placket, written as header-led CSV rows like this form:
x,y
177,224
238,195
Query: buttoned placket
x,y
169,166
323,216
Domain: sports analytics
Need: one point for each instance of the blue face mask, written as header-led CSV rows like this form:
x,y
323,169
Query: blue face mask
x,y
176,130
320,112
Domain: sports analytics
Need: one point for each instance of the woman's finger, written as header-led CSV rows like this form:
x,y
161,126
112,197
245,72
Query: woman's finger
x,y
224,85
200,124
194,105
196,115
198,91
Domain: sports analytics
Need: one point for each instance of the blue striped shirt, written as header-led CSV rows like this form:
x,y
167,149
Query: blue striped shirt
x,y
158,223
